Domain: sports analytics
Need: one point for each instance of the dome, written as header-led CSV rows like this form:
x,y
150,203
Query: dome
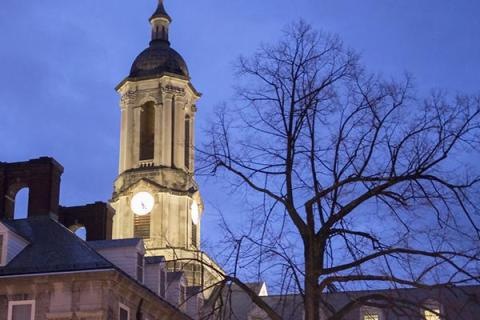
x,y
157,59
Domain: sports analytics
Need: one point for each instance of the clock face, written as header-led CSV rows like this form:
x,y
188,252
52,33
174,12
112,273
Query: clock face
x,y
195,212
142,203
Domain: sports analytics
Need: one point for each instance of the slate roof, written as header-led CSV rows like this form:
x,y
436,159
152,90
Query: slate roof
x,y
52,248
458,302
158,59
154,260
118,243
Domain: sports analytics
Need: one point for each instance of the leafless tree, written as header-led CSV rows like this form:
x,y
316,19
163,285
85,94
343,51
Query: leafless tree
x,y
359,183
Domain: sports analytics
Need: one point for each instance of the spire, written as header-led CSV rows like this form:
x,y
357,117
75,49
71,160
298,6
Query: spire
x,y
160,12
160,21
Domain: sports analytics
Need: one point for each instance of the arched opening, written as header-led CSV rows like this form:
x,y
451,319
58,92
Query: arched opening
x,y
80,231
147,131
21,204
174,136
187,142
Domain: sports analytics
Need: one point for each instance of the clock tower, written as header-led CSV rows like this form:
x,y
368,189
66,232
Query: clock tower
x,y
155,194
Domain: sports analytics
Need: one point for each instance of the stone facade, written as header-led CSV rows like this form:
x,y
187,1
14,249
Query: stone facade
x,y
94,295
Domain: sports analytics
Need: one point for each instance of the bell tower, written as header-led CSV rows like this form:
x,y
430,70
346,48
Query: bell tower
x,y
155,194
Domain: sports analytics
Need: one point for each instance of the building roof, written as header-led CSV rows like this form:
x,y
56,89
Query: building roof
x,y
158,59
458,302
154,260
118,243
52,248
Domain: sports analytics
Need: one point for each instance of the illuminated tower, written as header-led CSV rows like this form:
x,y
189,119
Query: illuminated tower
x,y
155,194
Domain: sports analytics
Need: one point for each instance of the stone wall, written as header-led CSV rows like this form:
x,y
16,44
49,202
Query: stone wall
x,y
84,296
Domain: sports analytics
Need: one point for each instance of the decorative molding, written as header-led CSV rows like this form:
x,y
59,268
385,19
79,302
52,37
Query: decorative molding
x,y
173,90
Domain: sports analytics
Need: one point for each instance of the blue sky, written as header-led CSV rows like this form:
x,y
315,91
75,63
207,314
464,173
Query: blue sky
x,y
61,59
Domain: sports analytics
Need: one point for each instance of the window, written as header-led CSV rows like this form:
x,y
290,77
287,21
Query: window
x,y
371,316
187,142
21,310
194,234
173,133
431,310
432,314
371,313
123,313
147,131
140,267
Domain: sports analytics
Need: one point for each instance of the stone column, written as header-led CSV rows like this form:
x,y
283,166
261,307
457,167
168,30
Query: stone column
x,y
179,132
192,139
167,130
128,137
158,150
123,147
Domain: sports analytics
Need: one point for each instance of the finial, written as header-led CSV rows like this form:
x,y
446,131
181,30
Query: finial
x,y
160,12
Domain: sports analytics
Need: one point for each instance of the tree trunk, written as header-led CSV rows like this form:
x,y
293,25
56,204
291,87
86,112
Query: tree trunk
x,y
312,302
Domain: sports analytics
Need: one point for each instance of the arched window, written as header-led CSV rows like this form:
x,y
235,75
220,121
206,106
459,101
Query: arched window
x,y
21,204
187,142
172,151
147,131
79,230
432,310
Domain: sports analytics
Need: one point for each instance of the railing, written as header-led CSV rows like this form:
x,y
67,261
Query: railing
x,y
146,163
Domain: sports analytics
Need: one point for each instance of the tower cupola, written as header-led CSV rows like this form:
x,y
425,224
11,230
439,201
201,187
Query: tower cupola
x,y
160,21
159,58
155,194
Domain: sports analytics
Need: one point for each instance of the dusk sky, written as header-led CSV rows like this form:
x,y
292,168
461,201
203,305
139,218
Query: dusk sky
x,y
61,59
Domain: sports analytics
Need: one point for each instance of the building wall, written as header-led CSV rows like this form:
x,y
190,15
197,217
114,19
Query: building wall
x,y
84,296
